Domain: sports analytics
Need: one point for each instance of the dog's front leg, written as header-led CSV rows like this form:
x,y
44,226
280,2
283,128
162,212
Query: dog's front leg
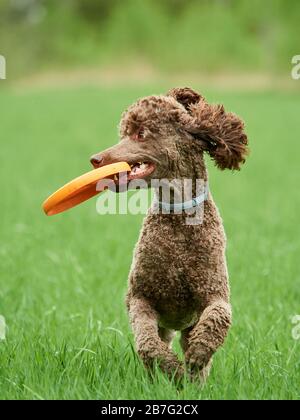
x,y
150,346
206,337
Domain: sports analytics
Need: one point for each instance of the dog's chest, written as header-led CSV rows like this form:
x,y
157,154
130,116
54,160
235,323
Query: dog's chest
x,y
162,265
173,263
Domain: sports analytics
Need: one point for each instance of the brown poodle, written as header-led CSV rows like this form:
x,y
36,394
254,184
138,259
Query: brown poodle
x,y
178,279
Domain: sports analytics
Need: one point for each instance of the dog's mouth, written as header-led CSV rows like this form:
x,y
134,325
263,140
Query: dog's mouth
x,y
139,170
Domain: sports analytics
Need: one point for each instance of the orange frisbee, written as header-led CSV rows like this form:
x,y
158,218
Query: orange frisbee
x,y
81,188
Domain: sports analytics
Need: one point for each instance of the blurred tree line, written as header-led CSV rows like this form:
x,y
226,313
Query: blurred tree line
x,y
175,35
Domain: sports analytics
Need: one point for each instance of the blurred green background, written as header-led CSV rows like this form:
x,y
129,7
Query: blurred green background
x,y
73,66
171,35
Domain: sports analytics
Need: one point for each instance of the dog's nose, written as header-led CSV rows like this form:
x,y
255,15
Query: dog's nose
x,y
97,160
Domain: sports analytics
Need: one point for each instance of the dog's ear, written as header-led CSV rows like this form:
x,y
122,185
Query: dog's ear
x,y
221,133
185,96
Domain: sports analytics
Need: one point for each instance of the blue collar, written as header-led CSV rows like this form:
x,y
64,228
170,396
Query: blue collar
x,y
186,204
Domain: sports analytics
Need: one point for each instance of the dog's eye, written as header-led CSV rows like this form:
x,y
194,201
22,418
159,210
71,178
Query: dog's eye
x,y
139,135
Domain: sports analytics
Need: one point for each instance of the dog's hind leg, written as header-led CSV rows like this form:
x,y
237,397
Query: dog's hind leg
x,y
150,346
184,339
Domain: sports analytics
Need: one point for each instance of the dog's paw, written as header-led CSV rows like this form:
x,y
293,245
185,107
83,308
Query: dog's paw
x,y
200,376
197,357
198,362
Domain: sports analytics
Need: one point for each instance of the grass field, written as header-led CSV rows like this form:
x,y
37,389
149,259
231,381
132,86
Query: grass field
x,y
63,279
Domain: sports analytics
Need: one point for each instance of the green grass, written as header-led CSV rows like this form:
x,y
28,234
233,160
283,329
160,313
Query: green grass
x,y
63,279
171,35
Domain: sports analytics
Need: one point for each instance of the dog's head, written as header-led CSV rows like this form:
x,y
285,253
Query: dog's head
x,y
159,135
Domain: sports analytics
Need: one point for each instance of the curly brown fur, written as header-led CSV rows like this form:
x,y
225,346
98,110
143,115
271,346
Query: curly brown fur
x,y
223,132
178,280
